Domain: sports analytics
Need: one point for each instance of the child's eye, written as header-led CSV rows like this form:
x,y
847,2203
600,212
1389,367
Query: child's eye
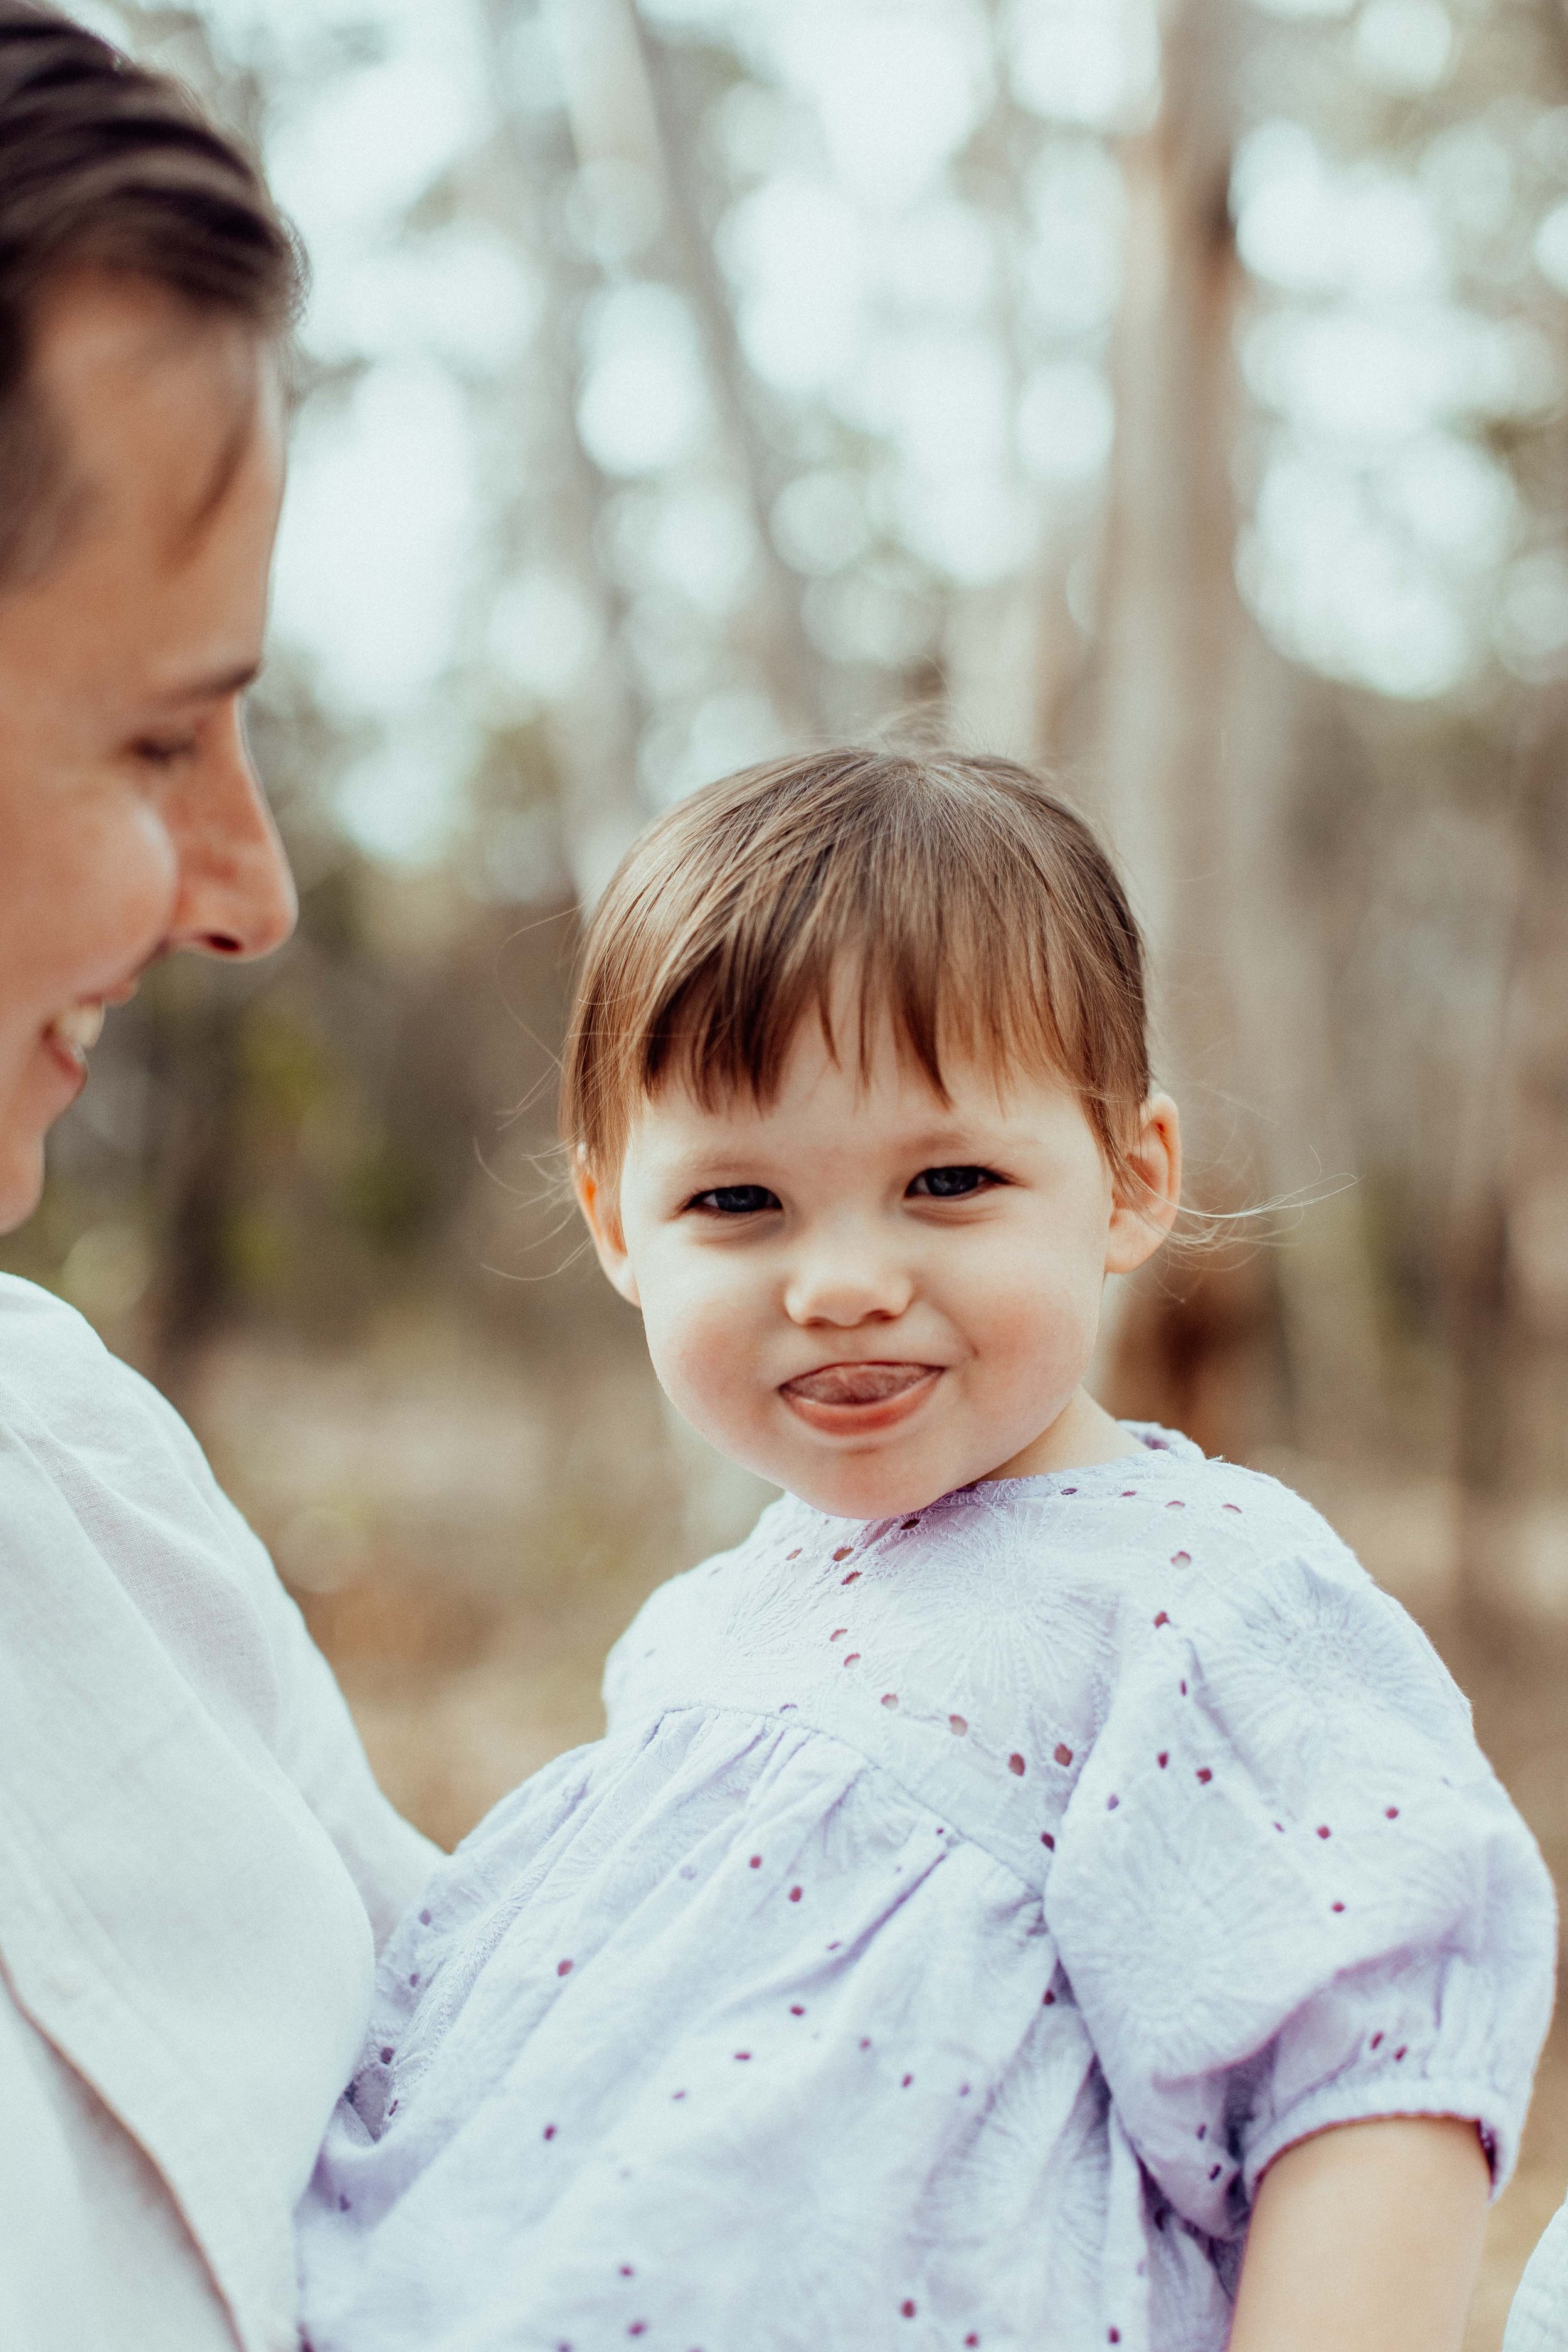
x,y
735,1200
950,1183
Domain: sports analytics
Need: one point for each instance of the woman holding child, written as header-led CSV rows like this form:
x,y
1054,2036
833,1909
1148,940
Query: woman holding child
x,y
1033,1892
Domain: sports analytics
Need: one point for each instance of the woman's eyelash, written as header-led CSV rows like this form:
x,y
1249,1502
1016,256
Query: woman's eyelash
x,y
735,1200
161,754
954,1183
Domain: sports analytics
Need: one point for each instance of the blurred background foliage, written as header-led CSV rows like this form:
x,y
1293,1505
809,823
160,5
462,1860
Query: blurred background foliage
x,y
1174,395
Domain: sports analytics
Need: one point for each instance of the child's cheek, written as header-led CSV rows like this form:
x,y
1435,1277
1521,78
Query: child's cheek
x,y
704,1350
1042,1324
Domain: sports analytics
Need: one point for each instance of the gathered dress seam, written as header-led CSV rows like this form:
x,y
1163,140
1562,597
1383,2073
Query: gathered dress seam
x,y
873,1763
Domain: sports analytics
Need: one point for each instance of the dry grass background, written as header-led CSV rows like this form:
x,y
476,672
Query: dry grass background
x,y
468,1529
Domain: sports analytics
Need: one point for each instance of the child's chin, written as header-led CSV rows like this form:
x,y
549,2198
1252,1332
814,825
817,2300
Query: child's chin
x,y
849,1491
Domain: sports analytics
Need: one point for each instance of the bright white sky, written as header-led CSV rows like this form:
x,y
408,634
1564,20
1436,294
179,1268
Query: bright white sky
x,y
868,290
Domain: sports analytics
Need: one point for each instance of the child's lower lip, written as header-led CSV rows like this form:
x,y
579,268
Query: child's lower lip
x,y
862,1420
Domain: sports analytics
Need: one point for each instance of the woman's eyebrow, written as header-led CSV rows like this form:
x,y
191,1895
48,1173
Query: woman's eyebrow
x,y
214,685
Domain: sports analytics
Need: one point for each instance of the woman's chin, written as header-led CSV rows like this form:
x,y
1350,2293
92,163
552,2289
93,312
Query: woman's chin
x,y
21,1179
40,1079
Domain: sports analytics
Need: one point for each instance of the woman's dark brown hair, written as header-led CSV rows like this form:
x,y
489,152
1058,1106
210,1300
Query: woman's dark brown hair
x,y
106,167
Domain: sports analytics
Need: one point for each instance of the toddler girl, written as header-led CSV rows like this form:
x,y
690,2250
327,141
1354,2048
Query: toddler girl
x,y
1032,1832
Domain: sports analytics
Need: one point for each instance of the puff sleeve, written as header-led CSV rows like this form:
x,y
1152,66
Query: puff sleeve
x,y
1288,1890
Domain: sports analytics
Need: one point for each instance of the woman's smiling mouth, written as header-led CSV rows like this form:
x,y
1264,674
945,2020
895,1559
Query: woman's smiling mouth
x,y
854,1400
70,1037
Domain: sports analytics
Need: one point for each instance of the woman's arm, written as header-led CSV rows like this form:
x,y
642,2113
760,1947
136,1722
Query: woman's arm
x,y
1366,2238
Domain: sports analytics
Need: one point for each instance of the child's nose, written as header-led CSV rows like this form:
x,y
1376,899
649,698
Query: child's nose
x,y
843,1283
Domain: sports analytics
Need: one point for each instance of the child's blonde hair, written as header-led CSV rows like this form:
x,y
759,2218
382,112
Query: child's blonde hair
x,y
974,908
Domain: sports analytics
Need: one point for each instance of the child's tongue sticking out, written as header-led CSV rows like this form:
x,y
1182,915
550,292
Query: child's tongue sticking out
x,y
867,1383
844,1399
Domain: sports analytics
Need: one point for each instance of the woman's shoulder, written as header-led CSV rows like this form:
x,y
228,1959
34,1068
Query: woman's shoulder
x,y
58,1382
50,1353
72,1402
37,1328
83,1428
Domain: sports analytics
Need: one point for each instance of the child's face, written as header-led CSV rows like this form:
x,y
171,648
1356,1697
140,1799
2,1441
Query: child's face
x,y
871,1296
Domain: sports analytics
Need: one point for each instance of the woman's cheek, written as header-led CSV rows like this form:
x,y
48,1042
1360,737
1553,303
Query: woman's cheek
x,y
94,894
136,880
115,884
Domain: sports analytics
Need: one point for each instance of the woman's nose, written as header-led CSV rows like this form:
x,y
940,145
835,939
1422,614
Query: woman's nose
x,y
847,1280
237,896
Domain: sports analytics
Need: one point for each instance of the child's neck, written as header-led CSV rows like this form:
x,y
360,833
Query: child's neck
x,y
1083,1433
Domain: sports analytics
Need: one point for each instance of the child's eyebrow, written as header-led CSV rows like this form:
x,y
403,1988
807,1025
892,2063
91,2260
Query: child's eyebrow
x,y
718,1159
712,1154
962,1142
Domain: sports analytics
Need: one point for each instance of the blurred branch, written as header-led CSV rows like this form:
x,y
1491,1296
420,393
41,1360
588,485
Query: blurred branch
x,y
594,731
792,666
1195,770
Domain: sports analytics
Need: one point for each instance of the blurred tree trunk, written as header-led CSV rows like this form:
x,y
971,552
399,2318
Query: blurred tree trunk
x,y
594,731
1506,1260
194,1068
1249,1343
784,650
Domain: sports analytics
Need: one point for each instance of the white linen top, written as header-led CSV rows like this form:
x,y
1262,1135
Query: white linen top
x,y
193,1857
960,1914
1539,2319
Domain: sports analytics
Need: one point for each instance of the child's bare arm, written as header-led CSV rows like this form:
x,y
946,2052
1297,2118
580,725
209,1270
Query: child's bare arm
x,y
1366,2238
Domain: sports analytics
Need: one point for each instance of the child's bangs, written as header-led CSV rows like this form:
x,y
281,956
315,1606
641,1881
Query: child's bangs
x,y
950,984
951,900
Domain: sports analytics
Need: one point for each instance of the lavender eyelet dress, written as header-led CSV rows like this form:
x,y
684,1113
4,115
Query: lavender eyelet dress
x,y
960,1912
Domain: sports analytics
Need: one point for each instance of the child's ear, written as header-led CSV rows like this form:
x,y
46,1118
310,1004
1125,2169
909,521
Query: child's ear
x,y
1145,1208
600,1213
